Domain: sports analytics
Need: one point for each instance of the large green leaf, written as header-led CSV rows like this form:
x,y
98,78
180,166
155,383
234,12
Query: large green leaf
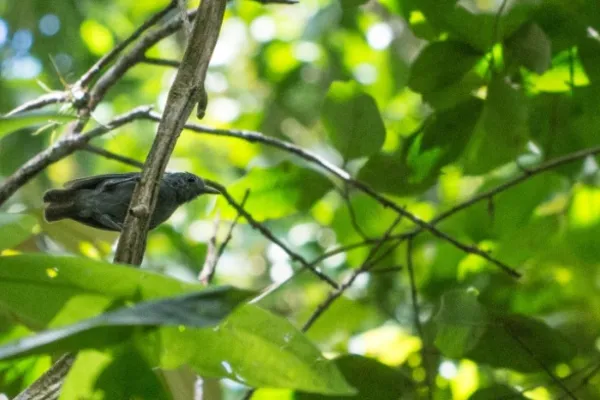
x,y
416,166
503,130
352,120
205,308
278,191
372,379
15,228
440,65
461,322
20,121
522,344
529,47
254,347
121,373
73,288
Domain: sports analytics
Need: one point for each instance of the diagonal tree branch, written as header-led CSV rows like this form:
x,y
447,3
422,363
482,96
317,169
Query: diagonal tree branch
x,y
186,91
347,178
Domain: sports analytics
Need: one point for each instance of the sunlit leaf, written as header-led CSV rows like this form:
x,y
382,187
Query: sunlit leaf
x,y
100,375
278,191
256,348
205,308
73,288
15,228
352,120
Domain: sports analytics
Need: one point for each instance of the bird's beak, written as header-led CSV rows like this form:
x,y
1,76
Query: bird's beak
x,y
210,190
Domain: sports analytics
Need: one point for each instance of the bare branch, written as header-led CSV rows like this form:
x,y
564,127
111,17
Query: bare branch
x,y
110,56
112,156
40,102
210,265
269,235
47,387
186,91
161,62
62,148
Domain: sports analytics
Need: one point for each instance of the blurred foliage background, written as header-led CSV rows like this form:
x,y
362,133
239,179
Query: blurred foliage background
x,y
429,102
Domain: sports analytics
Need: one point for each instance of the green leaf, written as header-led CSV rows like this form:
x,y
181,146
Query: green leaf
x,y
352,3
440,65
461,322
15,228
522,344
73,288
497,392
199,310
256,348
381,382
529,47
278,191
416,166
20,121
120,373
502,131
589,54
352,120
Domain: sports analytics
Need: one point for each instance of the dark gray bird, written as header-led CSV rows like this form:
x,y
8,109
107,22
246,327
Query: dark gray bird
x,y
102,201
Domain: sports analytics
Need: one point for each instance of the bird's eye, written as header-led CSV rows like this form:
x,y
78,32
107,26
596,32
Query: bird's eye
x,y
190,179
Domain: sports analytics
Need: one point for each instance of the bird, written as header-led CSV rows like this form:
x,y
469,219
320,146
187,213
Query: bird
x,y
102,201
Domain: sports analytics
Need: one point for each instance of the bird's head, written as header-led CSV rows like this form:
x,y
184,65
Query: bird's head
x,y
188,186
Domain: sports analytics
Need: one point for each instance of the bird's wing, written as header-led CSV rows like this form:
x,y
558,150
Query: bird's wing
x,y
92,182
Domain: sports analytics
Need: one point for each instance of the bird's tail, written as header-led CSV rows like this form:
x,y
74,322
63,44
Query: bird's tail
x,y
61,204
58,195
56,212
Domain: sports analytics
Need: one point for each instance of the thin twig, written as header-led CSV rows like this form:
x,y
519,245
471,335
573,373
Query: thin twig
x,y
40,102
91,73
539,362
367,264
161,62
353,220
416,316
112,156
135,55
210,265
341,174
269,235
62,148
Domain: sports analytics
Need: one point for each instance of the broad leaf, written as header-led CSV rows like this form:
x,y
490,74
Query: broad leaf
x,y
529,47
461,322
15,228
278,191
256,348
352,120
73,288
522,344
201,309
121,373
502,132
440,65
372,379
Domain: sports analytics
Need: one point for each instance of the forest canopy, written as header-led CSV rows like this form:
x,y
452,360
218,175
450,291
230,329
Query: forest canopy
x,y
409,199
